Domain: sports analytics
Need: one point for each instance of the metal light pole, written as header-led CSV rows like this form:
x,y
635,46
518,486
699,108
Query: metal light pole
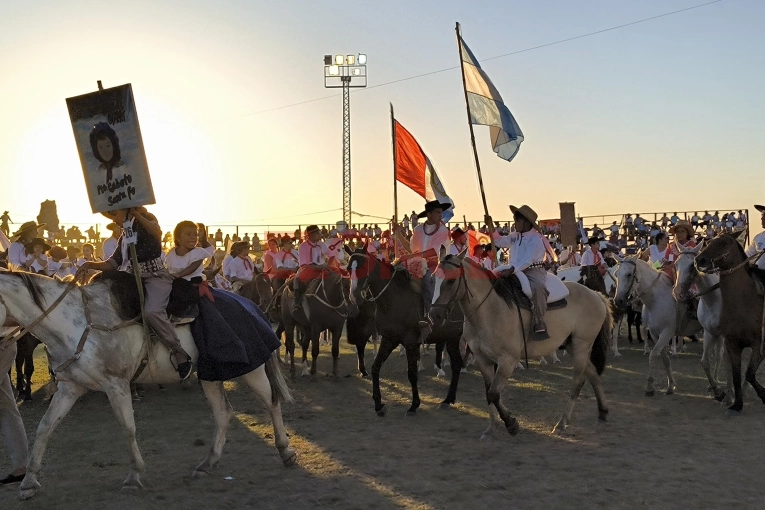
x,y
346,72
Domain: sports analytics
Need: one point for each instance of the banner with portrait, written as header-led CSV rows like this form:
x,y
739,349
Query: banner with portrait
x,y
108,138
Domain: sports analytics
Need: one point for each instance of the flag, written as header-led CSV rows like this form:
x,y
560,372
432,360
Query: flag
x,y
487,108
476,238
414,170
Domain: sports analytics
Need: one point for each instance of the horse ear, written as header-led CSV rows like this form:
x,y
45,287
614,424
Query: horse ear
x,y
700,246
442,253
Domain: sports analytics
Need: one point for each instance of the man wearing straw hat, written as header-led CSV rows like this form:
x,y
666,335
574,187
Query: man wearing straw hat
x,y
17,256
528,250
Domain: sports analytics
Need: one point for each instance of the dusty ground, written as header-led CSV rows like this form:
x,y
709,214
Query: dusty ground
x,y
665,452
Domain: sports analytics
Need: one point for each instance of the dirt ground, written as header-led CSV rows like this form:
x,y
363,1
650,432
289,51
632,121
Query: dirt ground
x,y
675,451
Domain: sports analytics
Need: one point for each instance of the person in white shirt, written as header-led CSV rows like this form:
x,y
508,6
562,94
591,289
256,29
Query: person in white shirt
x,y
569,258
528,249
191,250
17,255
675,218
430,236
269,258
594,267
110,244
239,267
459,241
37,261
56,258
287,259
758,245
414,219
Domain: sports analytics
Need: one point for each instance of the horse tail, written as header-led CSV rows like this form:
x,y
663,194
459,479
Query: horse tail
x,y
600,346
280,392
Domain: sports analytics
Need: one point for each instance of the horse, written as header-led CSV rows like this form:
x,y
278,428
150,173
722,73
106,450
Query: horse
x,y
497,328
709,312
258,290
741,316
325,307
94,346
635,277
397,322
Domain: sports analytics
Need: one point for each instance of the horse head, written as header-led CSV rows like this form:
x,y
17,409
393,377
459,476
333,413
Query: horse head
x,y
721,254
627,281
361,265
686,270
449,284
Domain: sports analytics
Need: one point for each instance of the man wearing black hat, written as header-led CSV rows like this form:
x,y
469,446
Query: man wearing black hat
x,y
593,267
430,235
758,245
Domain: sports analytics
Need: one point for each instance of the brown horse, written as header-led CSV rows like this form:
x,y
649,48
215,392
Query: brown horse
x,y
741,317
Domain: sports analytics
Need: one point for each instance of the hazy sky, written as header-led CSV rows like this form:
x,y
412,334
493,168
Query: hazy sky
x,y
663,115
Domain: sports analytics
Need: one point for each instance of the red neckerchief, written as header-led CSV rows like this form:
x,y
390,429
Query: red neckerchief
x,y
424,231
247,262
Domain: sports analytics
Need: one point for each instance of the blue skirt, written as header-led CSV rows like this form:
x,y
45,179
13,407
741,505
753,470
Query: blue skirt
x,y
232,335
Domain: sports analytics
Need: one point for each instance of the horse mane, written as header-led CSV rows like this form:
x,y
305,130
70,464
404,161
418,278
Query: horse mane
x,y
509,289
32,286
123,287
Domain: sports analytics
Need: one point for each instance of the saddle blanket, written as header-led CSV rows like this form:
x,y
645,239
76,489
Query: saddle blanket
x,y
555,287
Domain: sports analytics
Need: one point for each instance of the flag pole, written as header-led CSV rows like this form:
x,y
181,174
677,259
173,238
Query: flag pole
x,y
394,227
470,124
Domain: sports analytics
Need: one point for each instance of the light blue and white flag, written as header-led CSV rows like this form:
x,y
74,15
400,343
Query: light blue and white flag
x,y
488,109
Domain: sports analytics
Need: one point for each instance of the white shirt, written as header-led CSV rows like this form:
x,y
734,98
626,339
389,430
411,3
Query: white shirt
x,y
656,255
525,249
53,266
427,236
573,258
16,254
286,260
614,229
36,266
591,258
110,246
237,269
456,249
757,246
176,263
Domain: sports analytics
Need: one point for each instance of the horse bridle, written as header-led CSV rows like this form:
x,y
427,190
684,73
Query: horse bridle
x,y
636,279
366,292
455,299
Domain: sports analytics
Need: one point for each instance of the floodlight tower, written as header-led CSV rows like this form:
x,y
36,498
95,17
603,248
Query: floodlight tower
x,y
346,72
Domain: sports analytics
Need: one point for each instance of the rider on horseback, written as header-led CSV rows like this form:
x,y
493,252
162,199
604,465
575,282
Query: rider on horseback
x,y
758,246
312,256
157,280
594,266
528,250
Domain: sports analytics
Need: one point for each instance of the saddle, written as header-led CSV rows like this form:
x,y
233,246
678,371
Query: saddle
x,y
183,298
556,289
511,290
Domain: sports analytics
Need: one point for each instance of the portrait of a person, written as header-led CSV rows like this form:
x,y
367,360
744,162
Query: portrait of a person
x,y
106,148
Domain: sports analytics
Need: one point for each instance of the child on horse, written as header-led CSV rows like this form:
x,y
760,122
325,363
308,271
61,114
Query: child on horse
x,y
157,280
313,257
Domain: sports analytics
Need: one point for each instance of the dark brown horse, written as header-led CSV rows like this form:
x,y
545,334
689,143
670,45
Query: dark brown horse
x,y
741,318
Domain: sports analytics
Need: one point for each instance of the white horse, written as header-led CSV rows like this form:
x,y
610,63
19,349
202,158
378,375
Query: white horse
x,y
91,347
710,306
635,277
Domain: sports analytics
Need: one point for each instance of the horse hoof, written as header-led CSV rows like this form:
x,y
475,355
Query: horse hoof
x,y
440,373
487,437
650,393
732,413
364,374
28,491
382,411
559,430
410,413
444,405
603,416
513,427
132,485
670,390
291,460
196,475
28,398
617,355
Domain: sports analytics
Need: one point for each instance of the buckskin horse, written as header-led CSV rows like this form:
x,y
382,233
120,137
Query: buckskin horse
x,y
741,317
498,331
94,346
397,321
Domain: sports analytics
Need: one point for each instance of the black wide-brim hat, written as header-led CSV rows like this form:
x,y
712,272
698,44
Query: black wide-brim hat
x,y
286,241
593,240
312,228
432,205
760,208
37,241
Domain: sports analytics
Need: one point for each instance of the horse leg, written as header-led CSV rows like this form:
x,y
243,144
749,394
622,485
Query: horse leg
x,y
751,372
455,360
734,354
708,347
615,338
638,324
630,322
591,373
360,354
315,344
412,360
121,401
335,335
67,394
386,348
222,411
667,361
258,381
486,367
650,344
305,341
439,364
29,367
20,369
580,359
504,370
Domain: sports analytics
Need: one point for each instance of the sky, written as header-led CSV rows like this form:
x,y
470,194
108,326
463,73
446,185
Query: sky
x,y
238,127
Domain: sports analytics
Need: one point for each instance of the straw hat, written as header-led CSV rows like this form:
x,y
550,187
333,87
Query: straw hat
x,y
682,224
29,225
527,212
